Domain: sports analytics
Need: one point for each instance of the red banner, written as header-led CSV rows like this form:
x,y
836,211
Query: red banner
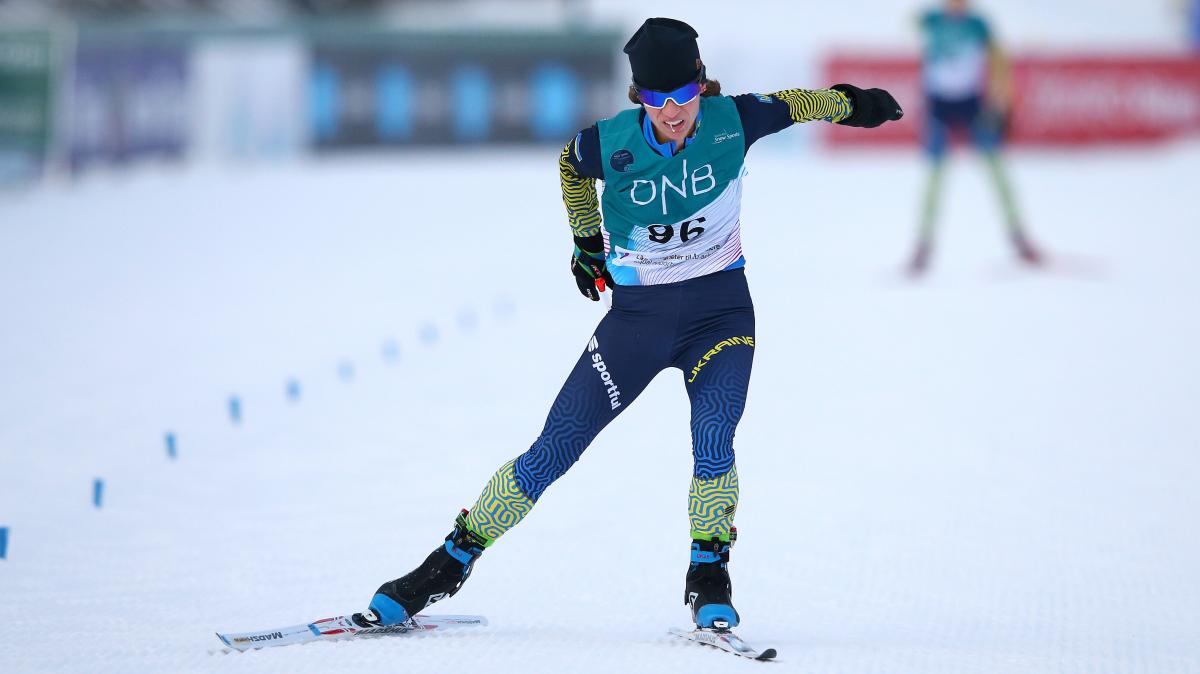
x,y
1059,100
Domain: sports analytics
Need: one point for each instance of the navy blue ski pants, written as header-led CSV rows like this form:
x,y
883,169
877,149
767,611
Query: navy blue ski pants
x,y
702,326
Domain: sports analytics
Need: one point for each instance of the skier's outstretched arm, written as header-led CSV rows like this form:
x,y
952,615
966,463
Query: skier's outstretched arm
x,y
845,104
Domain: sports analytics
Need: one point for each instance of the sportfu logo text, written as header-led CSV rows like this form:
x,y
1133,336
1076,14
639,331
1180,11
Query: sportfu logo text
x,y
614,393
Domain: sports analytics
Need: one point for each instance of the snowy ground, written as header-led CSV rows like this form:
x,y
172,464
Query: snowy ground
x,y
988,471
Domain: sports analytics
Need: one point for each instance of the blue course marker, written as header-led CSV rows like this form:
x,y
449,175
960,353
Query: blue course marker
x,y
235,409
391,351
171,445
429,334
3,542
293,390
97,492
504,307
346,370
467,320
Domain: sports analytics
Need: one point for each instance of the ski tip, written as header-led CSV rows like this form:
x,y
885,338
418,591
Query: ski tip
x,y
768,654
434,621
229,647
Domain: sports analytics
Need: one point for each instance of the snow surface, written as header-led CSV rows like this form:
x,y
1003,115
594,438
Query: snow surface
x,y
991,470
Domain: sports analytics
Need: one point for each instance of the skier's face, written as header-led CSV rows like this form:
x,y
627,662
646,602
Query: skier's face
x,y
673,122
956,6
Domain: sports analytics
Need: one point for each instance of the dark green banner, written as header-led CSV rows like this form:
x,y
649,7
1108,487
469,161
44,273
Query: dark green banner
x,y
26,101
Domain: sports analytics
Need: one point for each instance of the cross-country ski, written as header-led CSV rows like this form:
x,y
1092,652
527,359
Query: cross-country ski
x,y
725,640
342,627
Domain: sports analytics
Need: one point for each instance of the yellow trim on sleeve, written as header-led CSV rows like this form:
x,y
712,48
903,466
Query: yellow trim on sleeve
x,y
806,105
579,196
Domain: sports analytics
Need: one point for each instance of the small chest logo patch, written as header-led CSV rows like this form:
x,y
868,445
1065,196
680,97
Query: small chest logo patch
x,y
725,135
620,160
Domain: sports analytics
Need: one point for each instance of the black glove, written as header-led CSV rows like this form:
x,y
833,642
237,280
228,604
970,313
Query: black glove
x,y
587,264
872,107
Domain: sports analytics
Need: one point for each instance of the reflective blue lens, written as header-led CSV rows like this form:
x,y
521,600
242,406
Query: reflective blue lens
x,y
682,96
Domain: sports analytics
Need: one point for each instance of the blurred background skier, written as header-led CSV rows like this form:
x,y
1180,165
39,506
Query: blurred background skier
x,y
968,90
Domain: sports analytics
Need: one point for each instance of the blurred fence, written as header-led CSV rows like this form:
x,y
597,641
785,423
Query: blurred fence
x,y
116,93
1059,100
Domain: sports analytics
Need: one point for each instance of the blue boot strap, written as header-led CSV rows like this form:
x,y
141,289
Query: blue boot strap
x,y
389,612
464,556
705,556
710,613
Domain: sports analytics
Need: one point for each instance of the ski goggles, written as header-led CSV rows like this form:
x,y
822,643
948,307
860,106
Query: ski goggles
x,y
681,96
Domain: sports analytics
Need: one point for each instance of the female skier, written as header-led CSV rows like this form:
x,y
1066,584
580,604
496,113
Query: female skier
x,y
670,249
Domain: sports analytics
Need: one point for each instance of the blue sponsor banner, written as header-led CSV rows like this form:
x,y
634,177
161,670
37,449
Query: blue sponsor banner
x,y
394,103
471,102
559,94
459,89
324,101
128,101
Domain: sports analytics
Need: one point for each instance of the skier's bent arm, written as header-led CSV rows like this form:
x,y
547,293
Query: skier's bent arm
x,y
578,192
578,170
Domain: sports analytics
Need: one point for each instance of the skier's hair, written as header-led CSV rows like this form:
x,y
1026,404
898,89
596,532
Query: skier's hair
x,y
712,88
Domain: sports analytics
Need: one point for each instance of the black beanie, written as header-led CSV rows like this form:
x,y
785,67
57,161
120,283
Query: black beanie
x,y
663,54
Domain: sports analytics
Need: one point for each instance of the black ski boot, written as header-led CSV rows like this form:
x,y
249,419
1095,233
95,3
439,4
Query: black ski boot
x,y
707,589
440,576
